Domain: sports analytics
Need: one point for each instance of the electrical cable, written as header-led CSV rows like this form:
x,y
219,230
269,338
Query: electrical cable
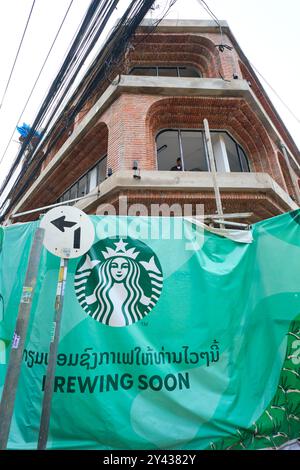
x,y
86,86
36,81
17,54
108,56
96,59
221,46
82,61
56,83
171,3
275,93
213,16
96,8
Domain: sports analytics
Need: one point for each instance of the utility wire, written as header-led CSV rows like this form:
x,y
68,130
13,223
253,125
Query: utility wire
x,y
94,12
275,93
16,58
212,15
222,46
210,12
106,59
89,78
37,79
111,52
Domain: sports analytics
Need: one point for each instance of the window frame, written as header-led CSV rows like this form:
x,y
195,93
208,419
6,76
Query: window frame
x,y
87,175
179,130
238,146
167,67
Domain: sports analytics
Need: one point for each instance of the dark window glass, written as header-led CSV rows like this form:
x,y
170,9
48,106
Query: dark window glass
x,y
190,147
66,196
102,170
87,182
82,186
176,71
194,156
73,191
243,159
168,149
188,72
167,71
146,71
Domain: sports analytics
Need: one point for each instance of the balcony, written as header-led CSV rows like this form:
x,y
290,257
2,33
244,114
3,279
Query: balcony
x,y
241,192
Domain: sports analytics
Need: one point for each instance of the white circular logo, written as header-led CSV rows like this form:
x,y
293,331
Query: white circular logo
x,y
69,232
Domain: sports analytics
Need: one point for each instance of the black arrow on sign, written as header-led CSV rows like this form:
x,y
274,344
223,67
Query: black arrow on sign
x,y
61,223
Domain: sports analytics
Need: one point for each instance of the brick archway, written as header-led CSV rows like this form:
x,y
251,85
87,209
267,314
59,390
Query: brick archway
x,y
176,49
85,154
231,114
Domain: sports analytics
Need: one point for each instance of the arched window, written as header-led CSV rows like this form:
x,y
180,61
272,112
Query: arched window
x,y
87,182
189,146
168,71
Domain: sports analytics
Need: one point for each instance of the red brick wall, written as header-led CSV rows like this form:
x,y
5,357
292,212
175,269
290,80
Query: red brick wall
x,y
127,129
134,121
185,49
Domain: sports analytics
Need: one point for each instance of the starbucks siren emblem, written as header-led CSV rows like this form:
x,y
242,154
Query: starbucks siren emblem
x,y
118,282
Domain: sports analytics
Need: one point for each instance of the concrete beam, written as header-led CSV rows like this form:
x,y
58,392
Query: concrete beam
x,y
189,182
183,26
174,86
164,86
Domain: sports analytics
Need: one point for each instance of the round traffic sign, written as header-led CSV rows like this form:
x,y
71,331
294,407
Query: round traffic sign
x,y
69,232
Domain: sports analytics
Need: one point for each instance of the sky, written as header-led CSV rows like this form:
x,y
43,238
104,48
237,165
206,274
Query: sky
x,y
266,30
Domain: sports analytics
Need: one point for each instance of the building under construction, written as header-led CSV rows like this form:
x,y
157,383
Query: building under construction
x,y
148,112
131,341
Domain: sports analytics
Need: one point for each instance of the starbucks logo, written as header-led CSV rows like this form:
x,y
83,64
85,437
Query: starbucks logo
x,y
118,282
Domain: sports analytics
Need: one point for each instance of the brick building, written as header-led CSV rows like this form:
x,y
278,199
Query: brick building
x,y
152,114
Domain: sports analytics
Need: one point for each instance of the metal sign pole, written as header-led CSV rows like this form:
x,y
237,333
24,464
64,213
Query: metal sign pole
x,y
213,171
50,375
69,233
18,342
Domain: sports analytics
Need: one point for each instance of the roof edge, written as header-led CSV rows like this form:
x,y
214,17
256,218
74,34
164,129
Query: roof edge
x,y
191,25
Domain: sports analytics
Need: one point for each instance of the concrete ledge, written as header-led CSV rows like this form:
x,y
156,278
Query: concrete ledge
x,y
170,86
189,182
175,86
184,26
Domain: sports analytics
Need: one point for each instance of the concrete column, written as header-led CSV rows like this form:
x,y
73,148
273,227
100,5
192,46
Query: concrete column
x,y
292,173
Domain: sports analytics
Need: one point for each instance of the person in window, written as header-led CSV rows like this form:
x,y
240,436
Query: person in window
x,y
178,166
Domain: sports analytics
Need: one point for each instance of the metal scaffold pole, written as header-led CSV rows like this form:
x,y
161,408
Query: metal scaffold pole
x,y
19,337
213,171
50,375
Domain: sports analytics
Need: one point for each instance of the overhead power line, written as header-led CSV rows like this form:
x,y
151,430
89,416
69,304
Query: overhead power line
x,y
275,93
105,62
17,54
210,12
214,17
36,80
204,5
95,10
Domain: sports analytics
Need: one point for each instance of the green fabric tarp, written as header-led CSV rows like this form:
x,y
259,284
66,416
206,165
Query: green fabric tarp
x,y
162,346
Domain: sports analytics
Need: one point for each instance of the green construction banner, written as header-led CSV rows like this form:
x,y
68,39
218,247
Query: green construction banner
x,y
172,337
